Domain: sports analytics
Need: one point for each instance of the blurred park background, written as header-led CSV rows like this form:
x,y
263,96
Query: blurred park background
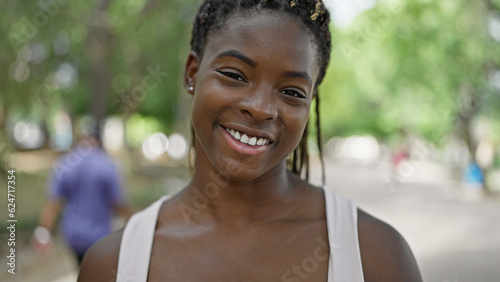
x,y
410,113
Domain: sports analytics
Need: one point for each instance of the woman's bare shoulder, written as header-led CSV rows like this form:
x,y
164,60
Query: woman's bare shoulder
x,y
101,260
385,254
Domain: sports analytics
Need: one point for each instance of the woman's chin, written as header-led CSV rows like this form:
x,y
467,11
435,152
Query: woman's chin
x,y
241,173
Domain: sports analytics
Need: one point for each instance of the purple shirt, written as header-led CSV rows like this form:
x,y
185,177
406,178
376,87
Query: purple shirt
x,y
88,182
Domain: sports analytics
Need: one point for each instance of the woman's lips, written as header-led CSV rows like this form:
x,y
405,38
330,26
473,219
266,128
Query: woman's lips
x,y
244,144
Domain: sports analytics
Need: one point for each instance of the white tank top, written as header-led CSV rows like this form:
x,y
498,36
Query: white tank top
x,y
341,218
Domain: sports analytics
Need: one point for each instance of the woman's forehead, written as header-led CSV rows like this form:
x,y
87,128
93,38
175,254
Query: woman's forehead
x,y
267,35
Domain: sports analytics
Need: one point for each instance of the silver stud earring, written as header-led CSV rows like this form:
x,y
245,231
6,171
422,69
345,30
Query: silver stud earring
x,y
190,88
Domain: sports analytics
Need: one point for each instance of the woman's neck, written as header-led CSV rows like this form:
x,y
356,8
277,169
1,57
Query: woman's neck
x,y
219,198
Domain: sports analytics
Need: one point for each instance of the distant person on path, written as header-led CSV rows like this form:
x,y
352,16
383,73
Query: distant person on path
x,y
86,181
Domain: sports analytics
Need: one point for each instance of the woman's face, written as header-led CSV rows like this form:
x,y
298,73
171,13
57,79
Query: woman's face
x,y
252,93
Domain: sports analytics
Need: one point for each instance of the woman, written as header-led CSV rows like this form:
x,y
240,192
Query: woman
x,y
253,71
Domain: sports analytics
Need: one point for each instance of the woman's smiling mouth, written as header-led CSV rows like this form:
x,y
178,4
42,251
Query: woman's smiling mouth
x,y
245,139
244,143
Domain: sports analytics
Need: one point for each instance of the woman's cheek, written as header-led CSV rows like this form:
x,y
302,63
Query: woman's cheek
x,y
297,118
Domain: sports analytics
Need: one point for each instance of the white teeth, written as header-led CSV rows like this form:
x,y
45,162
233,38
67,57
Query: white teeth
x,y
243,138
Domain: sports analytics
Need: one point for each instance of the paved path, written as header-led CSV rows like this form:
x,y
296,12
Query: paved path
x,y
60,266
454,232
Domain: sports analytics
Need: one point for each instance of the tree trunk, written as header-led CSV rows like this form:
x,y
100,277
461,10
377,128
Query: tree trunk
x,y
469,104
98,49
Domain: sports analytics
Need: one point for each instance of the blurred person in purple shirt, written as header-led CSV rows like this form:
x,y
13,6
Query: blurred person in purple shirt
x,y
86,181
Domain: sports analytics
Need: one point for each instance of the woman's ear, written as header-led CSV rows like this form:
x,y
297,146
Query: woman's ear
x,y
192,64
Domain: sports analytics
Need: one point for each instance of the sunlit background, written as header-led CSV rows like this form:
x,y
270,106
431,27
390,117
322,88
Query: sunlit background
x,y
410,114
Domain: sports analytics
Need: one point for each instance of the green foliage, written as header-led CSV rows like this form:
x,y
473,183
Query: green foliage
x,y
138,128
403,65
144,36
400,65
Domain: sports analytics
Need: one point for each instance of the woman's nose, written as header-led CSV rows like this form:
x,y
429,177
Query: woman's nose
x,y
261,105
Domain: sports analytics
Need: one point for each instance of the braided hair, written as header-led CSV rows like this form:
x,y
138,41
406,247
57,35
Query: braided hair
x,y
212,16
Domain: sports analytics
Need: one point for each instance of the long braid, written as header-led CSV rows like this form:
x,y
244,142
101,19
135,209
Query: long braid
x,y
294,160
318,138
191,155
304,158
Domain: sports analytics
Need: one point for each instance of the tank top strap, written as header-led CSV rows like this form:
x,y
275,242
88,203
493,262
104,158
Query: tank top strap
x,y
136,244
342,223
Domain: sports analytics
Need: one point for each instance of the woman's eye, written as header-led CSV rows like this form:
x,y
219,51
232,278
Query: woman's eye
x,y
294,93
232,75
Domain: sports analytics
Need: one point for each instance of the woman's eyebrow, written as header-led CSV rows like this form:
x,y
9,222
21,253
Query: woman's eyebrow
x,y
299,74
238,55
